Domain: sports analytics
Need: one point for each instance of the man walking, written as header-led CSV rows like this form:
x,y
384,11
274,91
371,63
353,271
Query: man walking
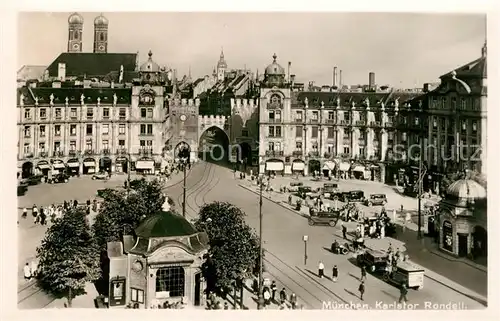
x,y
25,213
363,273
27,272
403,291
344,231
335,273
321,269
273,291
282,296
361,290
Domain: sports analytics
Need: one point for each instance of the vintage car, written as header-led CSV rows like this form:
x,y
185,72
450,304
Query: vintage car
x,y
100,176
22,189
330,189
376,199
307,191
59,178
374,261
324,218
294,187
405,273
353,196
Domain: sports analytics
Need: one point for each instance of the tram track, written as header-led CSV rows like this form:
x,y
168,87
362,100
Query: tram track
x,y
30,293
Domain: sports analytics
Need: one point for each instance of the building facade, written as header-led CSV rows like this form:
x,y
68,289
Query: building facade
x,y
345,133
457,119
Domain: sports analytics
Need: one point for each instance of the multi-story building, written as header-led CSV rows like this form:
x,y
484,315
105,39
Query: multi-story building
x,y
115,120
338,132
457,122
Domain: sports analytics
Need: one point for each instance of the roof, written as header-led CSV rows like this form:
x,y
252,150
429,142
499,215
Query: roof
x,y
466,189
75,18
101,20
197,81
29,72
165,224
92,64
375,99
475,68
74,95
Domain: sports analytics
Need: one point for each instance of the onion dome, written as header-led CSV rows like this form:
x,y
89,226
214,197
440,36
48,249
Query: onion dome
x,y
466,190
75,18
101,21
275,68
150,65
165,224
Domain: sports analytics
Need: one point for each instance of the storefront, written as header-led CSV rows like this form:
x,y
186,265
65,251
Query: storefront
x,y
121,165
298,167
105,164
328,168
462,220
314,167
163,263
145,166
44,167
343,169
359,172
58,166
73,166
275,167
89,166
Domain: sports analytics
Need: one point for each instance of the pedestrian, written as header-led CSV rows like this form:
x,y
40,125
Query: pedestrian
x,y
34,211
273,291
403,291
75,203
293,300
25,213
361,290
363,273
34,268
65,205
290,199
402,208
344,231
321,269
27,272
43,217
267,297
335,273
282,296
389,249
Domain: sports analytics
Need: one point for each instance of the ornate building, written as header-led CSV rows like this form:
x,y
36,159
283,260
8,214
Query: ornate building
x,y
75,33
336,132
163,264
101,34
115,121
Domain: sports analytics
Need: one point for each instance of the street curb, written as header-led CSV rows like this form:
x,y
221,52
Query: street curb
x,y
275,202
437,253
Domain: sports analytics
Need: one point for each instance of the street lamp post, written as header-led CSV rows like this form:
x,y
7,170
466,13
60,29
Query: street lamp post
x,y
260,303
305,238
128,173
184,190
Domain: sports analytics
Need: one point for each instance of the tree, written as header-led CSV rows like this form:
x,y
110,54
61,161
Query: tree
x,y
121,212
234,246
68,257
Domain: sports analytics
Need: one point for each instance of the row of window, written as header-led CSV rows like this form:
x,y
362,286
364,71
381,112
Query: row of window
x,y
330,148
42,146
275,131
146,113
441,121
454,104
146,129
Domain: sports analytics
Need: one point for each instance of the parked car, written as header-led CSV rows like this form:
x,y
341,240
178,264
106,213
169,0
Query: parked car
x,y
330,189
305,191
353,196
34,180
294,187
59,178
374,261
325,218
376,199
100,176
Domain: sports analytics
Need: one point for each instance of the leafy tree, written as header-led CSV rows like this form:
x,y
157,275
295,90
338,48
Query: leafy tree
x,y
121,212
68,257
234,246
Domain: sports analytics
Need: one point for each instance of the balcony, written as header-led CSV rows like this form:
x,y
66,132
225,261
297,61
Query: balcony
x,y
146,151
44,154
327,155
313,121
330,121
106,151
58,154
343,122
314,154
274,121
274,136
74,152
298,120
28,155
89,152
121,151
360,123
345,155
389,124
375,123
274,153
275,105
297,153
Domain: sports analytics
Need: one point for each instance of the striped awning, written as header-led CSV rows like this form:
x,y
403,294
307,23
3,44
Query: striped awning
x,y
44,166
344,166
59,165
358,168
329,165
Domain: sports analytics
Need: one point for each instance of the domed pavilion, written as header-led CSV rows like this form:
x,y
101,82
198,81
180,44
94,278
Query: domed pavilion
x,y
463,219
161,263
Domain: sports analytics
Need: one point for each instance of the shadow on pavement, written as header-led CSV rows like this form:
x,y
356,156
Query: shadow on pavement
x,y
316,275
391,295
352,293
328,250
355,277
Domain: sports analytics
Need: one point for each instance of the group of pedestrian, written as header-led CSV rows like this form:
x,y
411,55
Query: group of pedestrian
x,y
30,270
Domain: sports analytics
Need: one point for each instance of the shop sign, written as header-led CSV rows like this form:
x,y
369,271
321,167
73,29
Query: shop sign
x,y
448,236
117,293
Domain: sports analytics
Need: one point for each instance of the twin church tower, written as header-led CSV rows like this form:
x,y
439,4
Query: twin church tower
x,y
75,37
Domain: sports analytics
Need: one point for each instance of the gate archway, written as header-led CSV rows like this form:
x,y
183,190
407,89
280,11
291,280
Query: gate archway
x,y
214,145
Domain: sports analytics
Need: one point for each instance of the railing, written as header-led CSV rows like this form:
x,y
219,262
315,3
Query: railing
x,y
344,122
58,154
274,153
297,153
43,154
121,151
314,154
313,121
298,120
327,155
330,121
89,152
106,151
274,105
375,123
74,152
146,151
389,124
275,120
274,136
360,122
28,155
345,155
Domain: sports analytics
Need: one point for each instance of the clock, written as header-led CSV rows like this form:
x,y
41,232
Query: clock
x,y
137,266
183,117
76,46
101,48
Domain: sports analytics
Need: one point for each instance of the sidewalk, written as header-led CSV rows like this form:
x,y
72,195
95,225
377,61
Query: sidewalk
x,y
468,278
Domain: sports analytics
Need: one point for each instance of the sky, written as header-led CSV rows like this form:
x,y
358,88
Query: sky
x,y
403,49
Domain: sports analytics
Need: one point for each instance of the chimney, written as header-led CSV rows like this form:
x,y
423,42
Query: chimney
x,y
292,80
289,70
340,78
335,77
61,71
371,80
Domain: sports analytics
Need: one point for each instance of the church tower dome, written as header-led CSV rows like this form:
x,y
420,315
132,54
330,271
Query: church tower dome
x,y
101,34
75,31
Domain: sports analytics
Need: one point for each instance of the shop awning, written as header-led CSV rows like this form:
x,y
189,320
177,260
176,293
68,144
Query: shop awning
x,y
44,166
73,164
298,166
274,166
329,165
344,166
358,168
145,164
89,164
59,165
